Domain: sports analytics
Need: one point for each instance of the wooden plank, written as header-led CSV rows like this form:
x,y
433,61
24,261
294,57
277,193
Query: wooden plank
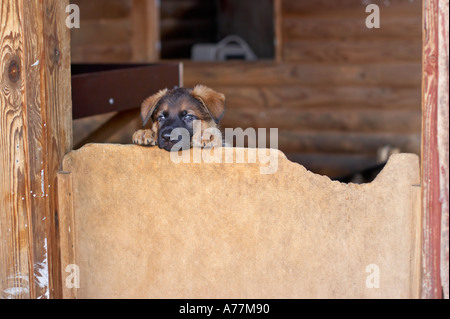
x,y
434,207
278,24
417,235
303,28
36,133
354,51
342,120
331,98
66,233
103,9
263,73
58,109
442,140
112,88
16,260
102,32
349,8
102,53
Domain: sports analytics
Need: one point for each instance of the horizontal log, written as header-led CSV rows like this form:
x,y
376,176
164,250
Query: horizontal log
x,y
360,51
350,8
331,98
296,28
104,53
264,73
363,121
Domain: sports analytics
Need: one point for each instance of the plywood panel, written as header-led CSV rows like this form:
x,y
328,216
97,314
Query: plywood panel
x,y
227,231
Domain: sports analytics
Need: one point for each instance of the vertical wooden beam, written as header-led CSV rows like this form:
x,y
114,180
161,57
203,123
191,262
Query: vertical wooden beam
x,y
278,24
443,137
435,146
35,133
145,24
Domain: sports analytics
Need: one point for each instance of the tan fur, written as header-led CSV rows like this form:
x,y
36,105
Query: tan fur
x,y
149,105
213,101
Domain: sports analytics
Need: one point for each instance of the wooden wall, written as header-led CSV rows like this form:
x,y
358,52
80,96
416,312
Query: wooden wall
x,y
338,91
116,31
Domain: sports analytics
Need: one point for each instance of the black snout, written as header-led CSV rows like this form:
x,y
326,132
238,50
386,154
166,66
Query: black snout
x,y
167,140
166,135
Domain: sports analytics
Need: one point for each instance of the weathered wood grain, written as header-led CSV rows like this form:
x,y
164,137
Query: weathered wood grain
x,y
35,133
434,205
16,260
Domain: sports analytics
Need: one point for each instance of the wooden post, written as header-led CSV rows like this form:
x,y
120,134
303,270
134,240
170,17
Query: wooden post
x,y
35,133
145,22
435,183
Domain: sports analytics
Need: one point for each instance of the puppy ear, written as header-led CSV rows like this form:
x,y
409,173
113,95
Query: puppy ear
x,y
149,105
213,101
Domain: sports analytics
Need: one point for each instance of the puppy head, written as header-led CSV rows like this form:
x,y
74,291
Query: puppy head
x,y
178,108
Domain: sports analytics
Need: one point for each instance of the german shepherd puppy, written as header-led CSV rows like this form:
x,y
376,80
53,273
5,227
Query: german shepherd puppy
x,y
179,108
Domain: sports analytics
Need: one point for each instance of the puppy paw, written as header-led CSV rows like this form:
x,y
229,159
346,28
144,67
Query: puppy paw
x,y
207,143
144,137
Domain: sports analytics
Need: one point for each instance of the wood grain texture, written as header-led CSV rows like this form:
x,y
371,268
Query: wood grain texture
x,y
16,260
356,51
263,73
349,8
146,33
66,231
36,133
443,145
435,99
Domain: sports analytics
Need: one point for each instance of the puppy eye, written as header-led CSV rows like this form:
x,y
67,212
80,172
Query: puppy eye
x,y
161,118
189,117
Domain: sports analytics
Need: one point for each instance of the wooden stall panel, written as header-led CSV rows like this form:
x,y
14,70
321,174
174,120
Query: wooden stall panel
x,y
146,227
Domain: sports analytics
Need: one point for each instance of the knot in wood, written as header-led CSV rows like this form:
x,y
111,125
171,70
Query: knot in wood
x,y
14,71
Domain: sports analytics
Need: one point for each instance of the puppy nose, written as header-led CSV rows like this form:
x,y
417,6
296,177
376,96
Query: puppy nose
x,y
166,136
